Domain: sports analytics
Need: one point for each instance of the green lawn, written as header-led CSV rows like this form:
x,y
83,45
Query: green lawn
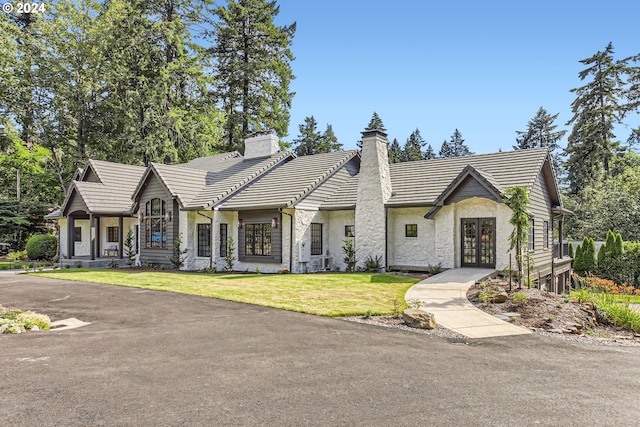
x,y
321,294
10,265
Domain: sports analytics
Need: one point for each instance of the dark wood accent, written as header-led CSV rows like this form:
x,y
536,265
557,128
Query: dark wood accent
x,y
478,242
261,217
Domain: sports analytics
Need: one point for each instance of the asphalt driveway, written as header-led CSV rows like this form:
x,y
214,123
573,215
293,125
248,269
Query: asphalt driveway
x,y
154,358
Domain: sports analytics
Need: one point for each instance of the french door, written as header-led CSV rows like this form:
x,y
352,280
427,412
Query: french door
x,y
478,242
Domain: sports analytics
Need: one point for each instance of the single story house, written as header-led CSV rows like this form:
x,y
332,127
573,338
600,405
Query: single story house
x,y
271,210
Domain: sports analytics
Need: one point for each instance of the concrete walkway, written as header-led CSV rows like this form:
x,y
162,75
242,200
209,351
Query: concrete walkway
x,y
445,295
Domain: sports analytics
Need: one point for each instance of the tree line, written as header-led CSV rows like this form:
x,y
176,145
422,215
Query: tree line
x,y
139,81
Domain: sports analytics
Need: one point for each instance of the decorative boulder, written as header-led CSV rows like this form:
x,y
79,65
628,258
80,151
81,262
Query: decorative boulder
x,y
417,318
500,297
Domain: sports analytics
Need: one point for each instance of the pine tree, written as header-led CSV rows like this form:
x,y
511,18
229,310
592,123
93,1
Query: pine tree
x,y
445,150
396,154
309,139
429,153
253,65
571,250
374,124
596,110
329,141
541,132
458,147
413,146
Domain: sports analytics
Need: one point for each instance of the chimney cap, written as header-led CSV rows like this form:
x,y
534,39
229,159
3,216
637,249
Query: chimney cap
x,y
261,133
367,133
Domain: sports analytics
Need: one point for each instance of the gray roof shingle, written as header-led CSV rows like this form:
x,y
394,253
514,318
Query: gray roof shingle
x,y
290,182
113,194
421,182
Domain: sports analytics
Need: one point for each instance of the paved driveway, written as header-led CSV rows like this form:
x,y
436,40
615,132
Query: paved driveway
x,y
154,358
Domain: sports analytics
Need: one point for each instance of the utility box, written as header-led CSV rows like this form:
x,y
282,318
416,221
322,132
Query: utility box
x,y
305,251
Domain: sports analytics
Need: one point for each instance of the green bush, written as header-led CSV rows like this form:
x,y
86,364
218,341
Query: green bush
x,y
42,247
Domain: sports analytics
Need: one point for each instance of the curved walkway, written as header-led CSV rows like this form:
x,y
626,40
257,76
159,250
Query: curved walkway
x,y
445,295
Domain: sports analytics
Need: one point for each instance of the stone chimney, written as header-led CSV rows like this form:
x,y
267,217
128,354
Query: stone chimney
x,y
261,144
374,190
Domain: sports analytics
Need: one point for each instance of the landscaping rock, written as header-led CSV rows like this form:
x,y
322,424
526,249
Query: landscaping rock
x,y
500,297
34,328
420,319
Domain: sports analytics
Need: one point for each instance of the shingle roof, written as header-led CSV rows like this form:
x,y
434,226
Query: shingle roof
x,y
238,173
421,182
113,194
344,197
212,163
290,182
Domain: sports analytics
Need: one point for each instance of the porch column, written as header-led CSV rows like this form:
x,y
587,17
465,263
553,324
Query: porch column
x,y
92,236
98,248
560,237
120,234
70,237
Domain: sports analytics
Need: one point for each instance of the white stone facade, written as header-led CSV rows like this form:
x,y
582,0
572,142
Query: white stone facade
x,y
374,190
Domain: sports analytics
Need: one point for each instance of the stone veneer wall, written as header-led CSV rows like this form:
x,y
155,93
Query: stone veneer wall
x,y
447,225
374,189
411,251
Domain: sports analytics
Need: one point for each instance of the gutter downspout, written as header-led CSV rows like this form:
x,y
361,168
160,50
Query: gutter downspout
x,y
290,238
210,238
386,238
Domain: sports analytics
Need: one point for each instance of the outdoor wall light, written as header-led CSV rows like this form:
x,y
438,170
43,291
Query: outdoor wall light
x,y
274,222
240,223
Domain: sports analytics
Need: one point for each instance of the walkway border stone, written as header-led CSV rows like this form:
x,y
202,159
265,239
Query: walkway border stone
x,y
445,295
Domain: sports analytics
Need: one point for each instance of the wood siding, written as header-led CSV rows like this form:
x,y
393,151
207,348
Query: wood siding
x,y
91,176
470,187
540,210
261,217
153,189
76,204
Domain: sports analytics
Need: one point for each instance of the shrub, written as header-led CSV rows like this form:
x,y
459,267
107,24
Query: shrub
x,y
435,269
179,255
129,250
520,299
371,264
229,259
349,256
18,255
42,247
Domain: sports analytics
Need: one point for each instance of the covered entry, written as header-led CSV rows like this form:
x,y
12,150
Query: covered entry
x,y
478,242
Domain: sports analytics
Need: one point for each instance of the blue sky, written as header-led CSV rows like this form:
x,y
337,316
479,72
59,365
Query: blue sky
x,y
483,67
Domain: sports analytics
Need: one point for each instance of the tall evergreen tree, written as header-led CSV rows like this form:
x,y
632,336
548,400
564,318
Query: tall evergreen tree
x,y
396,154
309,138
455,147
445,150
329,141
374,124
413,146
252,58
311,141
429,153
541,132
596,110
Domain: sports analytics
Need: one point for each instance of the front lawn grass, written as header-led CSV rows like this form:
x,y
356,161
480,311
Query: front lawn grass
x,y
321,294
